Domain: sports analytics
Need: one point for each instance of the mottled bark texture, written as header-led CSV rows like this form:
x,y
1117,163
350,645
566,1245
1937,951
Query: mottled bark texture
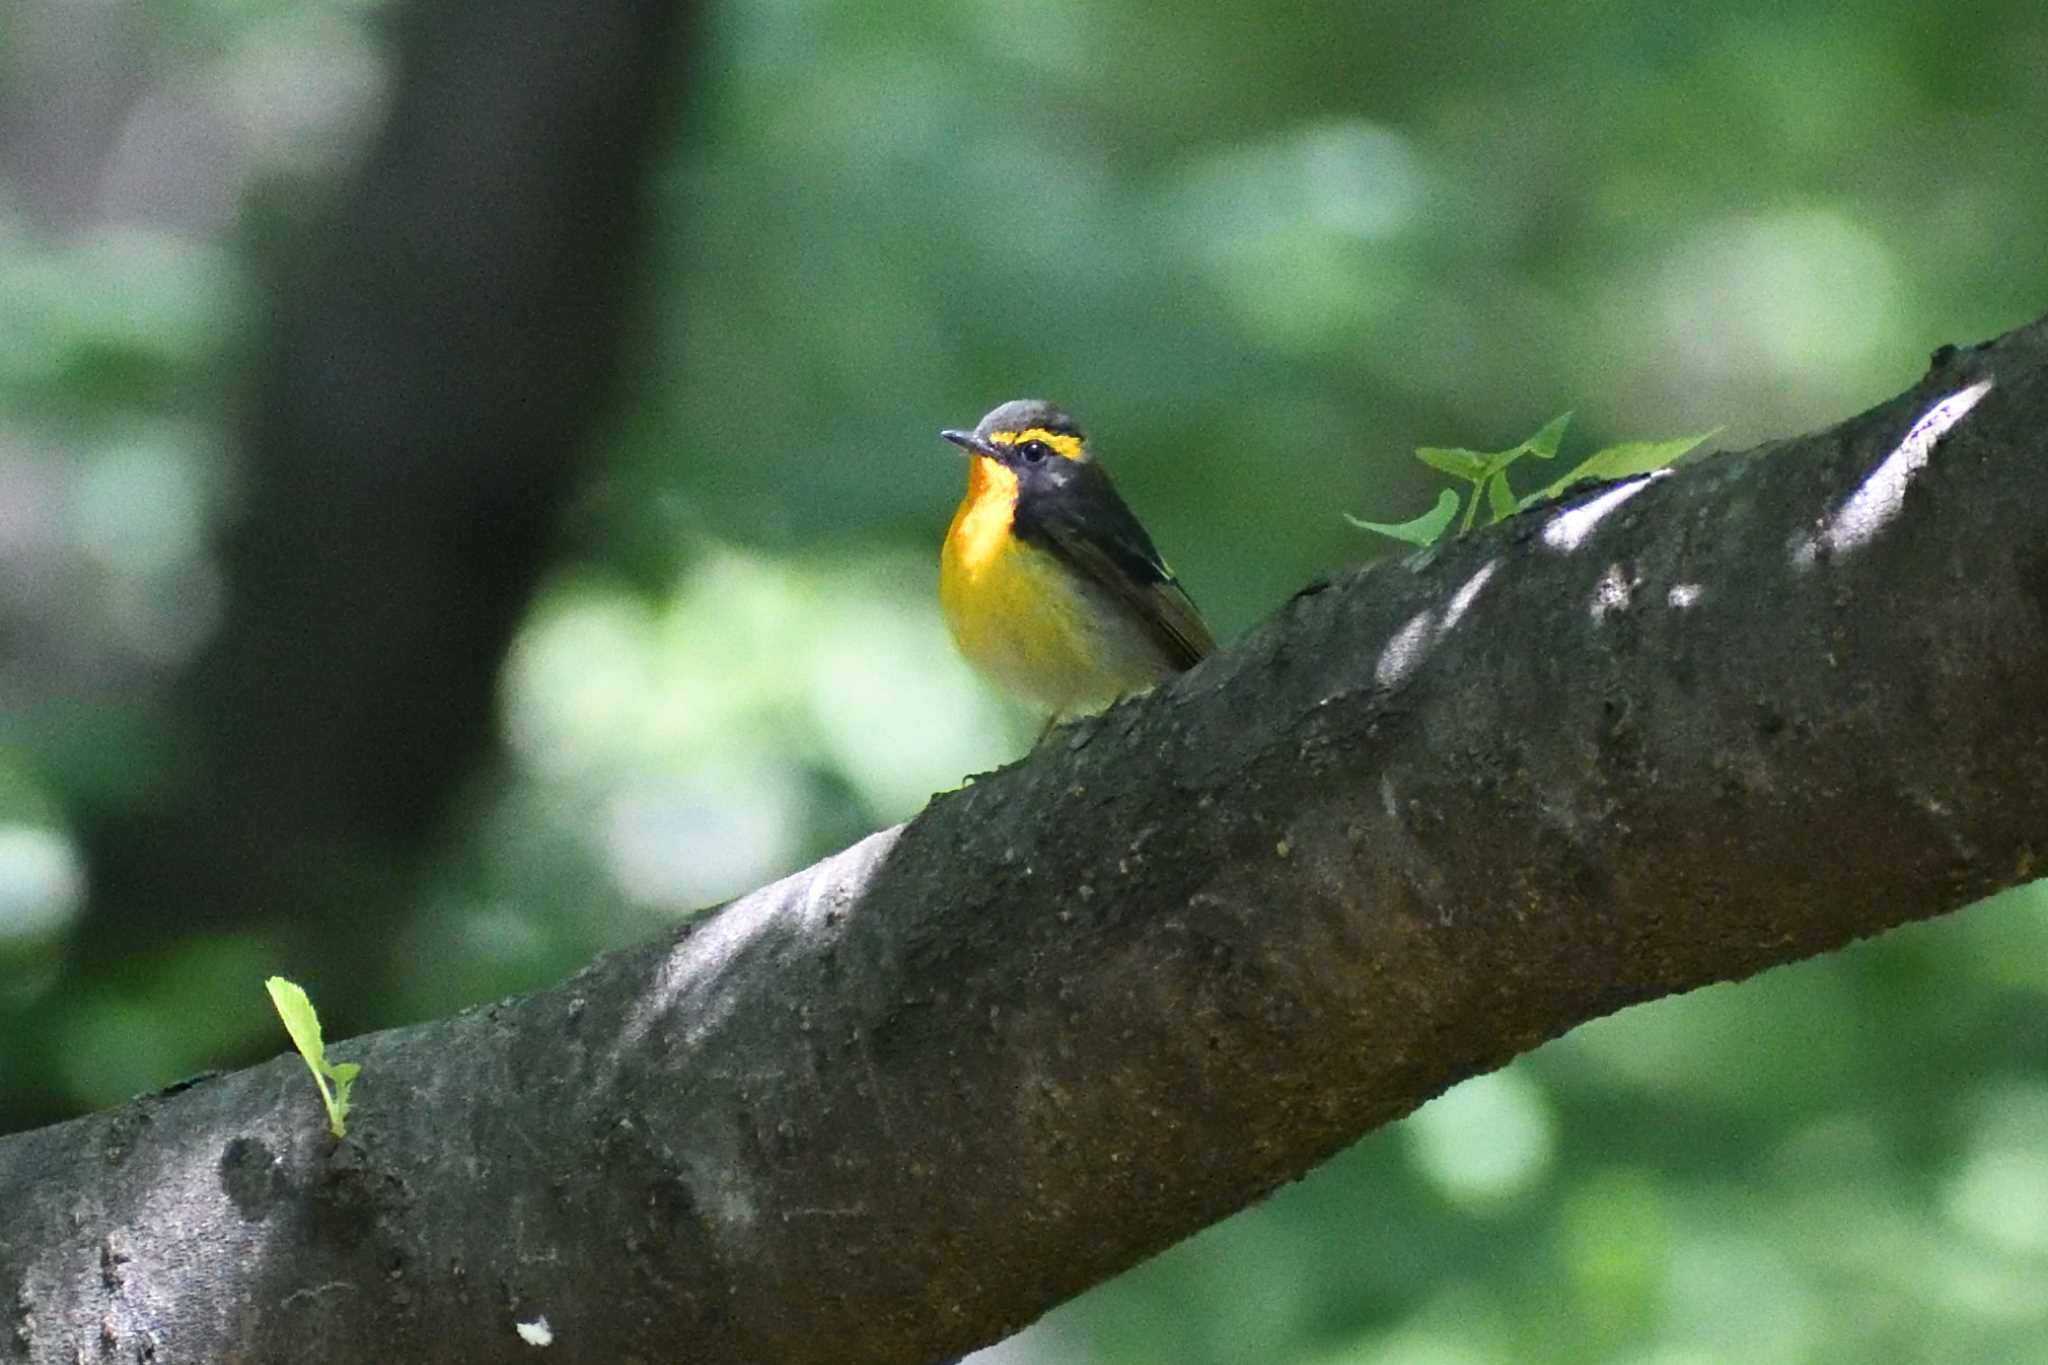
x,y
900,1103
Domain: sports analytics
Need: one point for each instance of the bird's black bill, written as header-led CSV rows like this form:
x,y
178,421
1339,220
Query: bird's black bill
x,y
971,443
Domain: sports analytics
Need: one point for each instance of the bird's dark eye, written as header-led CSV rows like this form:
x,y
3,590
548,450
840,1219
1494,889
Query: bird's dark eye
x,y
1034,451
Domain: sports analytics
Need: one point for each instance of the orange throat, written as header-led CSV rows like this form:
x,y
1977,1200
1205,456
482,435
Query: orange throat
x,y
981,526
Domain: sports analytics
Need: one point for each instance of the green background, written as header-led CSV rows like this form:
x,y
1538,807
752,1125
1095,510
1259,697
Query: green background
x,y
1262,252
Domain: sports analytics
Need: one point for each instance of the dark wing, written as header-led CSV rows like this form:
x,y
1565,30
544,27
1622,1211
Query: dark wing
x,y
1088,526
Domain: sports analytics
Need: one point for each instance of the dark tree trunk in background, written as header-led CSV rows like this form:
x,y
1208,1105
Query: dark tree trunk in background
x,y
435,366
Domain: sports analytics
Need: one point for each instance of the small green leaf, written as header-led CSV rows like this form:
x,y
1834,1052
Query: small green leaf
x,y
1500,499
300,1020
303,1024
1543,445
1424,529
1469,465
1487,472
344,1074
1623,461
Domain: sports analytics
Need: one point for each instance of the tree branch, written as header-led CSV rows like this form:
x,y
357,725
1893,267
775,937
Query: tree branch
x,y
904,1101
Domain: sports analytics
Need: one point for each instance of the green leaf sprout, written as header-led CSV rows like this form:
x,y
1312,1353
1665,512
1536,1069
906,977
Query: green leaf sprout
x,y
1487,473
303,1024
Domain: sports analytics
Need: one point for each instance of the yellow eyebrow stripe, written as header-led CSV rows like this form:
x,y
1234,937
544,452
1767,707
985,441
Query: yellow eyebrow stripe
x,y
1068,446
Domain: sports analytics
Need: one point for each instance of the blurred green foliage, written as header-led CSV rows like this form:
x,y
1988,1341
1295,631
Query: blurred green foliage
x,y
1263,252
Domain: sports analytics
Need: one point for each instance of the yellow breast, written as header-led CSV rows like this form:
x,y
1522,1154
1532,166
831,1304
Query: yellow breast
x,y
1025,621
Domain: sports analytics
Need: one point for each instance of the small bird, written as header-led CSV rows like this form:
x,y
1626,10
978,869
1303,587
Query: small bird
x,y
1050,586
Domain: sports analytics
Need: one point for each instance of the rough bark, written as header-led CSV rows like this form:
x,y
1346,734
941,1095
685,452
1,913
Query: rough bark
x,y
904,1101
